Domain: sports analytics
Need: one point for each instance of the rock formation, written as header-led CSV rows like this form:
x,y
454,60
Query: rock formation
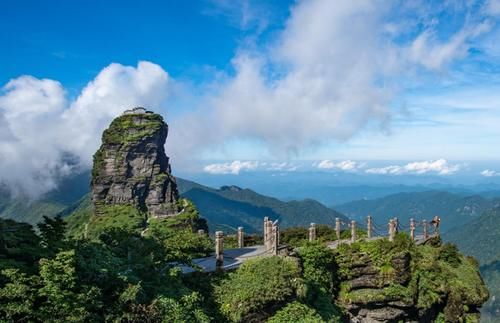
x,y
131,166
407,285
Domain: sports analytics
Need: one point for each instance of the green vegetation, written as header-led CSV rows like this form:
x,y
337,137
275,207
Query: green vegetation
x,y
126,129
125,217
123,273
297,236
296,312
23,208
230,207
116,274
454,209
479,238
439,275
257,284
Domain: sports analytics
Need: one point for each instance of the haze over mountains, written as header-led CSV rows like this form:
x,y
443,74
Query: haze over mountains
x,y
469,219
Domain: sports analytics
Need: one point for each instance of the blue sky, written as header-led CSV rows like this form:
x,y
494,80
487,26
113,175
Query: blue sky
x,y
255,82
71,41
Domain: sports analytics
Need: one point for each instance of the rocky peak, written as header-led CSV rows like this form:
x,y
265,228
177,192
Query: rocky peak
x,y
131,166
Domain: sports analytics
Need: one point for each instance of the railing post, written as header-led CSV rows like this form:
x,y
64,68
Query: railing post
x,y
396,225
312,232
369,226
426,233
219,249
240,237
269,235
265,237
277,235
392,230
337,228
274,239
353,231
412,229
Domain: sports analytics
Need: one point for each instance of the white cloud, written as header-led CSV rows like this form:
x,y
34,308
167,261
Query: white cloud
x,y
45,136
318,80
243,14
489,173
346,165
284,166
434,55
331,72
234,167
440,167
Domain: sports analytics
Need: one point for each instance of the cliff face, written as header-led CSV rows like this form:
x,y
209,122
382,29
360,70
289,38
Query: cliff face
x,y
398,282
131,167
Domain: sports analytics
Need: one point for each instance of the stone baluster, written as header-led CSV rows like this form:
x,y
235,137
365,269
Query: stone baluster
x,y
240,236
265,237
337,228
369,226
201,232
312,232
426,233
275,239
396,225
412,229
278,235
219,249
270,237
353,231
392,230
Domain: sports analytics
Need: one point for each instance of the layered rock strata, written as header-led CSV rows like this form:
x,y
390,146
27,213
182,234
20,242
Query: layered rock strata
x,y
131,166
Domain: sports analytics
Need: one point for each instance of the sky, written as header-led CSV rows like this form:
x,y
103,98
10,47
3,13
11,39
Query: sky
x,y
245,85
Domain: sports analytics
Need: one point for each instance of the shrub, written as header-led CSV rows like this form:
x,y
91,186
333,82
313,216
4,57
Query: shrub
x,y
257,284
296,312
450,254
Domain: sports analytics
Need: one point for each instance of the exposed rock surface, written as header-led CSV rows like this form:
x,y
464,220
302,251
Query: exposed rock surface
x,y
383,283
131,166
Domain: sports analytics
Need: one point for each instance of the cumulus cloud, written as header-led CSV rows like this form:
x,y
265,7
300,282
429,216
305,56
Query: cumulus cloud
x,y
346,165
440,167
332,71
318,81
489,173
234,167
46,136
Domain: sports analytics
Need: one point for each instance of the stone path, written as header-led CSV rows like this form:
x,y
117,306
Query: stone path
x,y
233,258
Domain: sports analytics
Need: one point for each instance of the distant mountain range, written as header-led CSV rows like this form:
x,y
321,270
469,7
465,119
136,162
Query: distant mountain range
x,y
453,209
25,209
230,206
481,238
225,208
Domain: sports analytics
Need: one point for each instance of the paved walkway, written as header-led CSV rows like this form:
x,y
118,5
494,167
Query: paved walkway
x,y
233,258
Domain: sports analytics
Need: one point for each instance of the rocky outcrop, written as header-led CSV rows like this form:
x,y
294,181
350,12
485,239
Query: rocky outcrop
x,y
401,282
131,166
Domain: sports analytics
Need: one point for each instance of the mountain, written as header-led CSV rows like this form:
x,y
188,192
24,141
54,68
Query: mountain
x,y
231,206
454,209
25,209
131,167
480,238
225,208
